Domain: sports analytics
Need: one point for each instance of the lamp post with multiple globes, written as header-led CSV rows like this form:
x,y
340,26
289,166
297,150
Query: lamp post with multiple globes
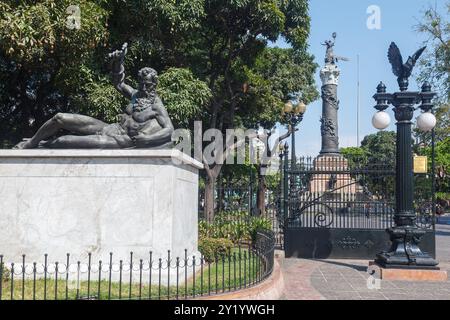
x,y
405,235
293,115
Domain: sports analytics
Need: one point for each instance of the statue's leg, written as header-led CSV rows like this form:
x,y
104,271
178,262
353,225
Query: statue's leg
x,y
74,123
84,142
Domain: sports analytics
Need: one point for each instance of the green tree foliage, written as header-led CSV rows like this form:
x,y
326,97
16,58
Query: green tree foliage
x,y
229,56
442,164
443,168
277,76
212,56
375,148
377,152
42,62
356,156
442,128
434,67
380,147
46,67
183,94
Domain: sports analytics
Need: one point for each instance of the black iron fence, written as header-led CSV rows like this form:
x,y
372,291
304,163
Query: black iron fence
x,y
335,192
170,278
337,207
236,211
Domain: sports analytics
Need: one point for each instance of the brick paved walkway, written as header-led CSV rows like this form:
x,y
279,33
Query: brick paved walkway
x,y
347,279
297,275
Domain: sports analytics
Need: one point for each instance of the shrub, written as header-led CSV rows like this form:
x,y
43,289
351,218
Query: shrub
x,y
5,273
212,248
236,226
237,231
444,197
204,229
258,224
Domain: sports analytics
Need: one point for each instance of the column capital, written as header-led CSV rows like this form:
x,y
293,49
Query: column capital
x,y
404,105
329,74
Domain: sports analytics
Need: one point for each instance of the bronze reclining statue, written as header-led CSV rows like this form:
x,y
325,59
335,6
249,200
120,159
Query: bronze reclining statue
x,y
144,124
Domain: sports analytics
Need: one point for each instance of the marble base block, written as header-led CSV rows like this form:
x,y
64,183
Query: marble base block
x,y
97,201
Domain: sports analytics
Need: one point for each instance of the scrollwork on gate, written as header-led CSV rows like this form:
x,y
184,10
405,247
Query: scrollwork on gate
x,y
425,218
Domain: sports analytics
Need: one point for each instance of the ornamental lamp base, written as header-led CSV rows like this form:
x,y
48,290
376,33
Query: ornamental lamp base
x,y
405,252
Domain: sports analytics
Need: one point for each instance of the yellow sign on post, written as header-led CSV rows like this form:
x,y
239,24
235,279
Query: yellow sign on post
x,y
420,164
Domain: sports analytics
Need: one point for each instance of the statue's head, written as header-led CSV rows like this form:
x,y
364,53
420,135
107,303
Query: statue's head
x,y
148,80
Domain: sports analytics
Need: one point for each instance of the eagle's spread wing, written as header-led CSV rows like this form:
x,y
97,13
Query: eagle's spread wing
x,y
417,55
395,58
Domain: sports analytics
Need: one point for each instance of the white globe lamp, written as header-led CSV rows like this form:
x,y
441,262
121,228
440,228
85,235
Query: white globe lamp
x,y
426,121
381,120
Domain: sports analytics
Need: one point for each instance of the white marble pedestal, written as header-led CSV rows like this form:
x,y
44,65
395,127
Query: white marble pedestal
x,y
97,201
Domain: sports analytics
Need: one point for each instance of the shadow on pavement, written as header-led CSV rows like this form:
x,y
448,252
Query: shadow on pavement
x,y
343,264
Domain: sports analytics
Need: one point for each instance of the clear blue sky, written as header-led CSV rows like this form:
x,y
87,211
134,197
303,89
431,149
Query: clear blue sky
x,y
348,18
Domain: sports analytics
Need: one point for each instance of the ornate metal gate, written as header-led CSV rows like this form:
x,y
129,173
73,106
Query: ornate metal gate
x,y
335,207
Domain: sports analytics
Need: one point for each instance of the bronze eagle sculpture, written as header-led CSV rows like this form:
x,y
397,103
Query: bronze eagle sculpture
x,y
402,70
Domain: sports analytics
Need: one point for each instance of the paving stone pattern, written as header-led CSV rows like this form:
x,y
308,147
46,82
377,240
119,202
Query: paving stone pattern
x,y
347,279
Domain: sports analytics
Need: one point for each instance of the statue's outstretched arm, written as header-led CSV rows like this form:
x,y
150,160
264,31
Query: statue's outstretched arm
x,y
118,72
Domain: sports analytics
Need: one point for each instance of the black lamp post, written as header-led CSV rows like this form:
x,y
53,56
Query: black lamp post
x,y
293,115
405,235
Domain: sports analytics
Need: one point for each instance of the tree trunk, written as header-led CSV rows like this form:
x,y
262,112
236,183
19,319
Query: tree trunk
x,y
221,204
209,198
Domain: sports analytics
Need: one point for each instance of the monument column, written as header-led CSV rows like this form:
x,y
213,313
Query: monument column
x,y
329,76
330,162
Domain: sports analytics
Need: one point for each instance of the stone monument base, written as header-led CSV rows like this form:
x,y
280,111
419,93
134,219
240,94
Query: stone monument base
x,y
97,201
333,178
